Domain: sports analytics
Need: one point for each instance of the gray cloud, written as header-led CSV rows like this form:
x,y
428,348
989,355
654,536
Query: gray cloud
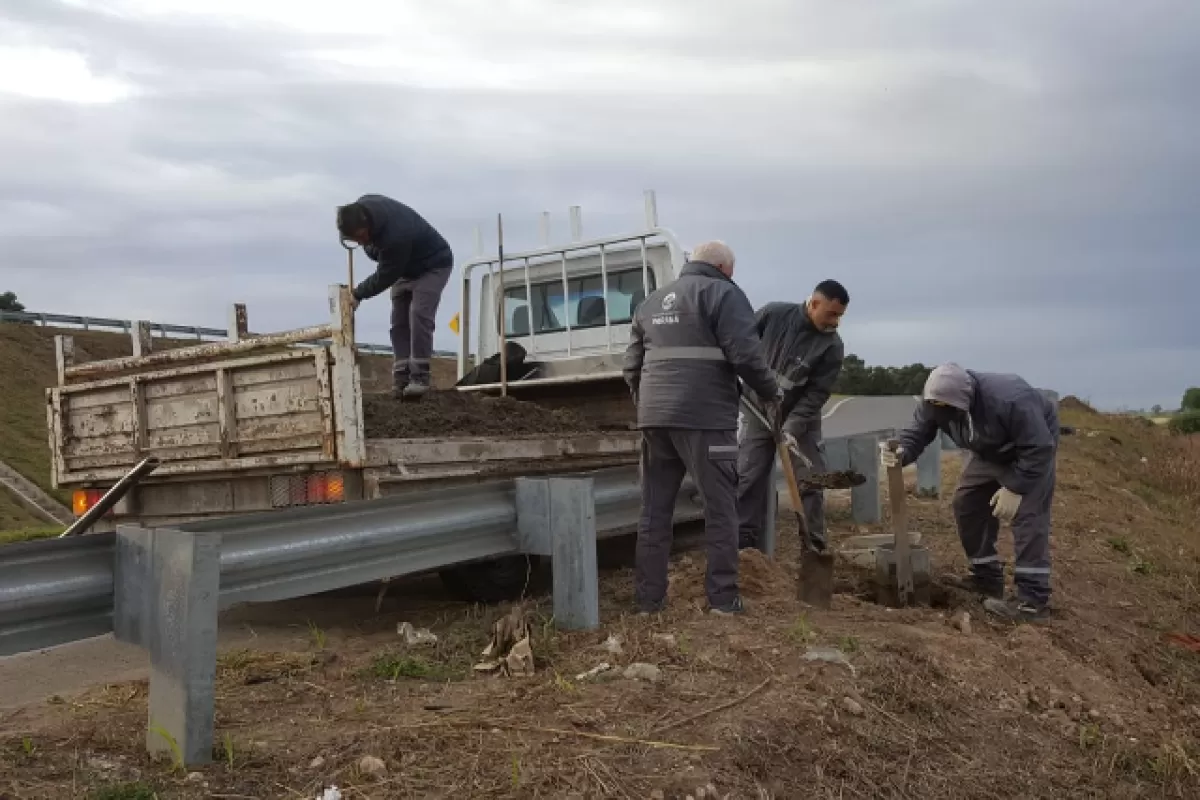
x,y
1012,191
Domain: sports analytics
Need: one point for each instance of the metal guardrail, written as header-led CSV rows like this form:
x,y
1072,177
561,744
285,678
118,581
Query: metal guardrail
x,y
163,329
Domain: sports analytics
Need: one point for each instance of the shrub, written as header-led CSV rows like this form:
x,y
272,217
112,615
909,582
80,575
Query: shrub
x,y
1187,422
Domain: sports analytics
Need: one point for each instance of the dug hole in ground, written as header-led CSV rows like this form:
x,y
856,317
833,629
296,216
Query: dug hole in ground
x,y
1103,700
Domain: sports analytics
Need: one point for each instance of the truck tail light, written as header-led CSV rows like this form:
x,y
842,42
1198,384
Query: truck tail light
x,y
82,500
318,488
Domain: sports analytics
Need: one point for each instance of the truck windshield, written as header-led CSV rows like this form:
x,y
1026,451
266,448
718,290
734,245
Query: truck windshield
x,y
584,307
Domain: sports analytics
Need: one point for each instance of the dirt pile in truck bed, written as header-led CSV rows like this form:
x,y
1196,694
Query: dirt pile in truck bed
x,y
457,414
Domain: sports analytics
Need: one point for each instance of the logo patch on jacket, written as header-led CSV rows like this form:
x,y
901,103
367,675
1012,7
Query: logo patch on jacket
x,y
668,301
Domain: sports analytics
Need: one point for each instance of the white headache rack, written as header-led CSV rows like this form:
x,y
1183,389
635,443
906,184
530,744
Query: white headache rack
x,y
569,306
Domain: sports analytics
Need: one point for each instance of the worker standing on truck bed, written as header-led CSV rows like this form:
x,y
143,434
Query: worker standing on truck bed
x,y
1008,432
690,342
803,347
415,263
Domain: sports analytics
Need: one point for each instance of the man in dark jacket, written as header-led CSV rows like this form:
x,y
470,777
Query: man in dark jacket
x,y
415,264
691,340
1008,432
803,347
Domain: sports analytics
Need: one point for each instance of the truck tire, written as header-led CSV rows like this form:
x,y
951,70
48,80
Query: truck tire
x,y
492,581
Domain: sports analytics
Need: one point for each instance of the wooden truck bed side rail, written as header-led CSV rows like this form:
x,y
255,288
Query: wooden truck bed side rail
x,y
251,402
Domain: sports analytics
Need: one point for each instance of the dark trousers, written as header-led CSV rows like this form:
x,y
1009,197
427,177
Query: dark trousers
x,y
978,529
414,315
756,462
710,457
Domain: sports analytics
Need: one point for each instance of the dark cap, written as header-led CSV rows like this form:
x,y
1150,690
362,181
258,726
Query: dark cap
x,y
352,218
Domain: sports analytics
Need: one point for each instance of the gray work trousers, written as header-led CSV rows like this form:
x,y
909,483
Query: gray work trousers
x,y
711,459
756,462
414,315
978,529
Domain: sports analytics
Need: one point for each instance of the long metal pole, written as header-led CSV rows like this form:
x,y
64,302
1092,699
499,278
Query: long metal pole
x,y
112,497
500,308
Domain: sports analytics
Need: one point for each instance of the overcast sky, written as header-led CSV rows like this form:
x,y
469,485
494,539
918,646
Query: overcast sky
x,y
1013,186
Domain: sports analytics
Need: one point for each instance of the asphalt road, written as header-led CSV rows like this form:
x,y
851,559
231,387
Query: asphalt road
x,y
853,415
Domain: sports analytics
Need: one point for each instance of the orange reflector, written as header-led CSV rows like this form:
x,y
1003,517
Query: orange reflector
x,y
335,488
82,500
317,488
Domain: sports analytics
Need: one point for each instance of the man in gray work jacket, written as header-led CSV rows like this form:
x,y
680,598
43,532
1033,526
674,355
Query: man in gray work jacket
x,y
415,263
1008,432
691,340
803,347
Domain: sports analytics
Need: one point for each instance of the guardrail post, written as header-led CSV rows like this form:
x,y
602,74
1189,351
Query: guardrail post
x,y
929,470
166,598
557,517
865,504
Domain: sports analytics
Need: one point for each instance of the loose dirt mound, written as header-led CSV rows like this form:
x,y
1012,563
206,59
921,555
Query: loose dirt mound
x,y
1073,403
453,413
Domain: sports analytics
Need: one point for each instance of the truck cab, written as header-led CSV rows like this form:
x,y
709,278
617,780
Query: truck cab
x,y
569,306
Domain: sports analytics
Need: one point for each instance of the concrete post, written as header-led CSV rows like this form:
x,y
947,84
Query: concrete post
x,y
557,517
865,504
929,470
166,598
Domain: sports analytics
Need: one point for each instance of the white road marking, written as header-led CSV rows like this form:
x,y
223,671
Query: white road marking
x,y
836,406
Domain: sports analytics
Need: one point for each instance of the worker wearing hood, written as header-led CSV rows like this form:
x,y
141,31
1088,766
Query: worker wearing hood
x,y
1009,432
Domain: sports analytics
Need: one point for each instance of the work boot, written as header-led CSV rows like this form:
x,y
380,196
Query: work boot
x,y
416,388
732,608
1016,610
399,384
646,608
974,585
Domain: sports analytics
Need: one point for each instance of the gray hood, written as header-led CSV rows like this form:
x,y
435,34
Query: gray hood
x,y
952,385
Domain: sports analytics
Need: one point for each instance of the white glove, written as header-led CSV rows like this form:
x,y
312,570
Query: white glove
x,y
889,458
1005,504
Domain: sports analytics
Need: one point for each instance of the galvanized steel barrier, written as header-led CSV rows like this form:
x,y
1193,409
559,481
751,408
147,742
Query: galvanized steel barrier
x,y
164,329
162,589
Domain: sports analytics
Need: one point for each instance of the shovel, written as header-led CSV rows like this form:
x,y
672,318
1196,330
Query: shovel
x,y
816,566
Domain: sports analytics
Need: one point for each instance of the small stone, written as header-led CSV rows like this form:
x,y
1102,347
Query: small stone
x,y
370,765
711,789
852,706
701,793
195,777
613,645
1094,714
666,638
639,671
657,794
317,762
963,623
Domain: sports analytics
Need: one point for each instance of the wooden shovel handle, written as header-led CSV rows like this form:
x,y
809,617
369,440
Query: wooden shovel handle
x,y
904,578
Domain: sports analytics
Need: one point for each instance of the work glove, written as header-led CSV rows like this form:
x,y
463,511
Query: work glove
x,y
773,409
889,458
1005,504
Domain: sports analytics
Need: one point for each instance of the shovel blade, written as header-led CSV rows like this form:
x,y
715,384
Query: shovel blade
x,y
816,578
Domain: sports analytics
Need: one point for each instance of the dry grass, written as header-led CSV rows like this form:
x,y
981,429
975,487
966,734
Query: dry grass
x,y
1094,703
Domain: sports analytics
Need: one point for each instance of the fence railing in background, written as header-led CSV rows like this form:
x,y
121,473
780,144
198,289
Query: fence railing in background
x,y
165,330
162,589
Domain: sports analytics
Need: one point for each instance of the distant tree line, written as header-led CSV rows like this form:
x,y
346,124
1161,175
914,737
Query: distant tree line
x,y
857,378
9,302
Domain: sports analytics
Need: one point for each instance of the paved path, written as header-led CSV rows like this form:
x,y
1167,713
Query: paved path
x,y
848,416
